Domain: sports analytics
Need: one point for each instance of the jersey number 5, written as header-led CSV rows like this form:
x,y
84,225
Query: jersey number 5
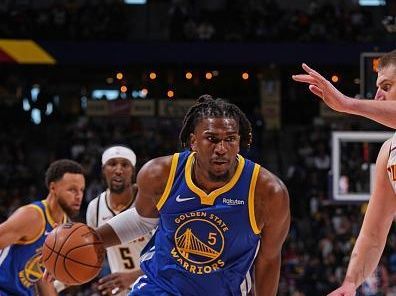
x,y
127,258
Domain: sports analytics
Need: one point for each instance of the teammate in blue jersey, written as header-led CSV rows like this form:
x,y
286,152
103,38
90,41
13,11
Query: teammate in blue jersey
x,y
221,218
23,234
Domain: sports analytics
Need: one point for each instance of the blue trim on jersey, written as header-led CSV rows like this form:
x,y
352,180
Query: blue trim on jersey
x,y
201,249
21,269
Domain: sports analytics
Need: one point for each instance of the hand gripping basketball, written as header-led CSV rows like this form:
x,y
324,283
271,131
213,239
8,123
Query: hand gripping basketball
x,y
73,253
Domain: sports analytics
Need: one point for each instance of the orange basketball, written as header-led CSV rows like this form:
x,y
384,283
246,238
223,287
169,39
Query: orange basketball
x,y
73,253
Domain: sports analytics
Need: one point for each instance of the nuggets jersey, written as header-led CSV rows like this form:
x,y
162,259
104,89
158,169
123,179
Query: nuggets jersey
x,y
391,167
20,266
205,244
122,258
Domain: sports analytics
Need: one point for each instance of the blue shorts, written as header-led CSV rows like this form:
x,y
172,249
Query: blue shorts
x,y
143,287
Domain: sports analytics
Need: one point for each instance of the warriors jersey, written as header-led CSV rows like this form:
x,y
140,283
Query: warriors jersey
x,y
205,244
20,266
122,258
391,167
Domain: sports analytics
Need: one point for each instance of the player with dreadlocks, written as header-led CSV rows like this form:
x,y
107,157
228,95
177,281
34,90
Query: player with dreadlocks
x,y
221,218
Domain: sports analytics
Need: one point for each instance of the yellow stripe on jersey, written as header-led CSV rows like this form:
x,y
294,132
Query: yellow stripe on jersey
x,y
23,242
169,183
252,189
209,199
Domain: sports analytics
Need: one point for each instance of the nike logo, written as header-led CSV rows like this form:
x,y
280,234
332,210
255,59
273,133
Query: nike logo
x,y
47,232
179,199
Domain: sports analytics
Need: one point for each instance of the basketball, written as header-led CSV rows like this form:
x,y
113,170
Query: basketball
x,y
73,253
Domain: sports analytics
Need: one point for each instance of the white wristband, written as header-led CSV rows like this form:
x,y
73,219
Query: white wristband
x,y
129,225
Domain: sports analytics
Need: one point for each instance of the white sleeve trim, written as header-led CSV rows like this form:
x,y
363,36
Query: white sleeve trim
x,y
129,225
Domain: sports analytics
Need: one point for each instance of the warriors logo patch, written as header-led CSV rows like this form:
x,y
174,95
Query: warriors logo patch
x,y
199,242
33,270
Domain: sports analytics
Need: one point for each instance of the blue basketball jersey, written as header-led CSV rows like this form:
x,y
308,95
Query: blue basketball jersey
x,y
205,244
20,266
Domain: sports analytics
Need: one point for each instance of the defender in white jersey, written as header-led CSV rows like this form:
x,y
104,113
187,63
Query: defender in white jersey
x,y
381,210
118,170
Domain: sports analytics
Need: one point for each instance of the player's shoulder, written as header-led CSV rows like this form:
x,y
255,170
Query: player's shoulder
x,y
30,209
157,167
387,147
269,185
28,214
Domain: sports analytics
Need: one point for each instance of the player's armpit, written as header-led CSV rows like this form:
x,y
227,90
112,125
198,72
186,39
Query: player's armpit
x,y
24,225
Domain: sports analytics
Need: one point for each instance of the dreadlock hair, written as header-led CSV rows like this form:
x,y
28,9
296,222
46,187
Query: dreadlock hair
x,y
208,107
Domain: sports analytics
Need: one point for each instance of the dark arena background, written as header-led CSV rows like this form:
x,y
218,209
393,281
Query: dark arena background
x,y
79,75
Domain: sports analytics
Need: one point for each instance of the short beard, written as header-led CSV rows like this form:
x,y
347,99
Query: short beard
x,y
118,189
219,178
69,211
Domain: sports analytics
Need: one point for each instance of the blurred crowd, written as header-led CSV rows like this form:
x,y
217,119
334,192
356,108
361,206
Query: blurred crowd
x,y
189,20
267,21
322,233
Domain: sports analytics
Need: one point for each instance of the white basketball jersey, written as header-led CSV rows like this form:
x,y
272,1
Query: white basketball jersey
x,y
122,258
391,167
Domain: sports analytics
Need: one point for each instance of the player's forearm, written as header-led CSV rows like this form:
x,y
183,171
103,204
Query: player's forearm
x,y
380,111
364,258
266,277
108,235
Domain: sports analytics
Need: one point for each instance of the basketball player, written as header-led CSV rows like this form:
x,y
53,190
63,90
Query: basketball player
x,y
118,168
382,205
222,219
23,234
382,109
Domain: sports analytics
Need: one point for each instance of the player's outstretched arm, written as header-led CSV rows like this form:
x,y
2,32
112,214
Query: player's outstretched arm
x,y
273,217
380,111
23,225
376,224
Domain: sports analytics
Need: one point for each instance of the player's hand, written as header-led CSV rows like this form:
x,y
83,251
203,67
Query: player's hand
x,y
47,277
117,282
323,88
347,289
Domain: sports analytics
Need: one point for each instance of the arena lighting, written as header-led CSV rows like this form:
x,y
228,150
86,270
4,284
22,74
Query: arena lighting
x,y
335,78
208,75
36,116
34,92
152,75
140,2
119,75
371,2
107,94
124,89
26,105
170,94
50,109
144,93
188,75
245,75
